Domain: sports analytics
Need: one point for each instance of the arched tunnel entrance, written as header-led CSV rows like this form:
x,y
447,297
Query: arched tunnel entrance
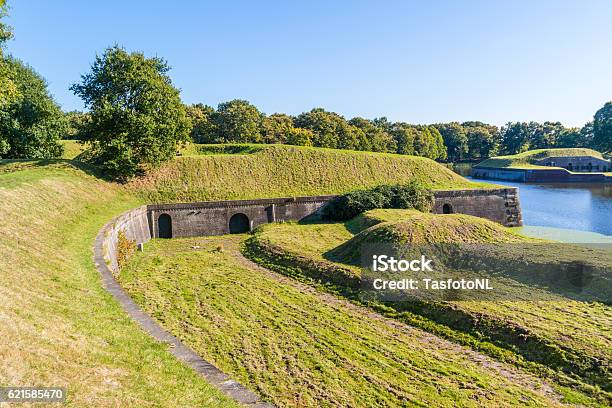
x,y
164,225
239,223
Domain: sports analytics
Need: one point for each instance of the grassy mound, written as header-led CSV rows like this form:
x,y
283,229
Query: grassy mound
x,y
528,158
561,332
72,148
59,326
300,347
256,171
421,229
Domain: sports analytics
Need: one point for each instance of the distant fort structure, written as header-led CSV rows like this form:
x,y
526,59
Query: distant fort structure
x,y
547,166
586,164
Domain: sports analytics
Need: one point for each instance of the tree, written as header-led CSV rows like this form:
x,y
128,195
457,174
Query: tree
x,y
573,137
545,135
516,137
429,143
31,123
277,127
299,137
331,130
377,139
77,122
203,126
602,129
137,117
238,121
455,140
404,136
482,139
8,89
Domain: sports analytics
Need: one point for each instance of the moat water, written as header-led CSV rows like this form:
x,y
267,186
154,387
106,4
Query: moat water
x,y
561,211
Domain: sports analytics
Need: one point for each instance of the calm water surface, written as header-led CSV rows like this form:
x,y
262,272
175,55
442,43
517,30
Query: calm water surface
x,y
571,206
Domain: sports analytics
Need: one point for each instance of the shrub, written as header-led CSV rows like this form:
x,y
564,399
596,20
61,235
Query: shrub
x,y
347,206
125,249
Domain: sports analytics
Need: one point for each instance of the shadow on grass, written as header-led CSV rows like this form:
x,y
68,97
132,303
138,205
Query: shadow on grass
x,y
12,165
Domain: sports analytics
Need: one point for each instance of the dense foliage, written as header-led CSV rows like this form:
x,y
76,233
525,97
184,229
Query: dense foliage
x,y
77,123
8,89
602,129
137,117
239,121
31,123
406,196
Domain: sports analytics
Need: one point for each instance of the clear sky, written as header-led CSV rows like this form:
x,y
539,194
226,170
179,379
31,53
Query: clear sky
x,y
419,62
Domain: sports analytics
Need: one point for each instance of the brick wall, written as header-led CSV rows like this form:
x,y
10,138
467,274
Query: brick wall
x,y
497,204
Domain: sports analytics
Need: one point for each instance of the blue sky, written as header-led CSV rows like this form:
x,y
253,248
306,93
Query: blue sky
x,y
419,62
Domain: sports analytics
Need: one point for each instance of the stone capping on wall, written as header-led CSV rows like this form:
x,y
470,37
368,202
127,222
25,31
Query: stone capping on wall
x,y
104,247
239,203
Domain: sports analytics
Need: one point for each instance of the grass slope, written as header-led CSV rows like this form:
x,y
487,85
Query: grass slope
x,y
564,333
528,158
256,171
58,326
300,347
72,148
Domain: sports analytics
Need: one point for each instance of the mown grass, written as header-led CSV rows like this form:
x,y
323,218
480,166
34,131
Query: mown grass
x,y
300,347
566,334
525,160
72,148
259,171
58,326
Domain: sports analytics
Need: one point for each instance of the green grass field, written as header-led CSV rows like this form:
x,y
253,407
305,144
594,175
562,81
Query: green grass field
x,y
59,327
571,332
300,347
526,159
292,344
214,172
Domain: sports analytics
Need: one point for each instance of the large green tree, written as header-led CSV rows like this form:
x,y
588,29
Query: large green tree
x,y
404,136
602,129
482,139
31,123
137,117
516,137
455,140
377,139
277,127
203,126
331,130
238,121
429,143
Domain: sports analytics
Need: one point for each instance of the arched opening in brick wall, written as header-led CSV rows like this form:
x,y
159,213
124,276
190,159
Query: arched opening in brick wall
x,y
164,226
447,209
239,223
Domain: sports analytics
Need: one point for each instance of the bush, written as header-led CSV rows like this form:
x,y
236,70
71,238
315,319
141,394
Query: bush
x,y
410,196
125,249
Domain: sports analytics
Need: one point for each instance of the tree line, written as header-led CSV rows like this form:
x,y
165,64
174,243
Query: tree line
x,y
238,121
135,120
